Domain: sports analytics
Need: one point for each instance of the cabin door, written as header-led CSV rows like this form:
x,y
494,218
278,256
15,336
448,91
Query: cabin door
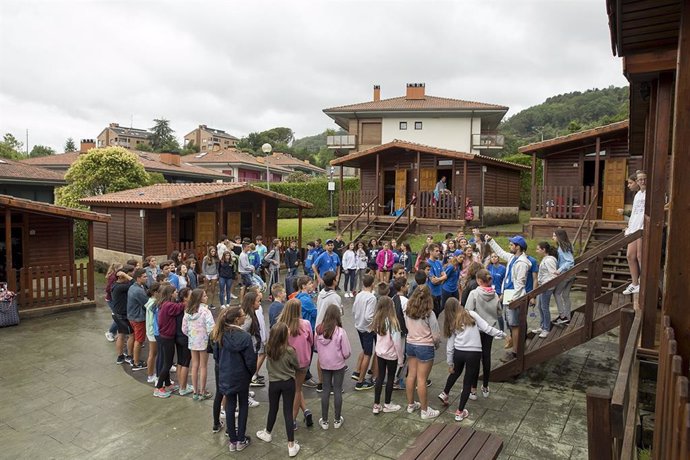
x,y
234,224
205,227
400,188
615,171
427,179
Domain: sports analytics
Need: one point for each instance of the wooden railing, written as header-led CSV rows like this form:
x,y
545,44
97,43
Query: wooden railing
x,y
199,248
370,209
407,210
52,285
449,206
562,202
593,264
586,222
353,201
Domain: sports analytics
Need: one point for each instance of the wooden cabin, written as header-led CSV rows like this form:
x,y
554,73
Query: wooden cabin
x,y
584,175
158,219
405,174
39,265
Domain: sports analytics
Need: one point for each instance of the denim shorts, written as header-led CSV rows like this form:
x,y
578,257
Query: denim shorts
x,y
512,316
423,353
367,340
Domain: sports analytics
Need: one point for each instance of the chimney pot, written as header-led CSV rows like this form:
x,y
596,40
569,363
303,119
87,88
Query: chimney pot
x,y
170,158
415,91
114,125
86,145
377,93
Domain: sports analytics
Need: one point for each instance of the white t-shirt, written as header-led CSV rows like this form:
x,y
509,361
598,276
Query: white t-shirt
x,y
636,221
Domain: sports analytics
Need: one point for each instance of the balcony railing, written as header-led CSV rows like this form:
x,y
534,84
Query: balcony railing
x,y
487,141
562,202
344,141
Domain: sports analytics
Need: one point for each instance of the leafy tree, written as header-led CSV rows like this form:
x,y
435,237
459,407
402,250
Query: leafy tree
x,y
279,138
144,147
100,171
190,149
10,147
12,142
297,176
70,146
41,151
163,137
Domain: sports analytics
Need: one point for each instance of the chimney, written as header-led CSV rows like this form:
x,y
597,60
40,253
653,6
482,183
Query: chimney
x,y
170,158
86,145
377,93
114,125
415,91
202,126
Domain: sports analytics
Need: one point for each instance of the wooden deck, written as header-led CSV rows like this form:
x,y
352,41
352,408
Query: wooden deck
x,y
442,441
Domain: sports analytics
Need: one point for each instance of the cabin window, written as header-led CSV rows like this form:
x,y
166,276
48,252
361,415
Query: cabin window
x,y
403,125
417,125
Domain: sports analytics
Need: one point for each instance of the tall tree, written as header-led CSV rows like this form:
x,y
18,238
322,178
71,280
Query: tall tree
x,y
163,137
10,147
279,138
70,146
41,151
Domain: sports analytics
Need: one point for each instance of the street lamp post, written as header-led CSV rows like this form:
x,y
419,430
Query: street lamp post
x,y
267,149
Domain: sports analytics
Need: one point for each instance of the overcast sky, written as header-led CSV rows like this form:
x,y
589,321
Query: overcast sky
x,y
68,68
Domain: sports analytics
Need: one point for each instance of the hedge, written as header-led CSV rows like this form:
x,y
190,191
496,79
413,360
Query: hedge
x,y
315,192
526,177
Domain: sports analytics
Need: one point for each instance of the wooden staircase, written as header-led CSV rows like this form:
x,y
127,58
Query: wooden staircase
x,y
599,314
382,228
615,271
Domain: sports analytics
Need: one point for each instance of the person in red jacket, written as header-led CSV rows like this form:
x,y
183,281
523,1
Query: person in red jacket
x,y
167,327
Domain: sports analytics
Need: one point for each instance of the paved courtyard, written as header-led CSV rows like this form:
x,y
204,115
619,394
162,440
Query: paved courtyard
x,y
65,398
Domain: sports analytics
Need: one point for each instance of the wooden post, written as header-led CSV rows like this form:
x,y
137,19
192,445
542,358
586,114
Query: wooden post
x,y
654,203
263,217
597,154
299,229
8,251
599,440
593,278
533,180
378,186
627,317
168,232
220,221
341,193
676,286
91,266
464,188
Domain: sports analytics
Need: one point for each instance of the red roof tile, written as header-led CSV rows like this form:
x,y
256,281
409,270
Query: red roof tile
x,y
234,156
588,135
18,170
51,209
404,104
162,196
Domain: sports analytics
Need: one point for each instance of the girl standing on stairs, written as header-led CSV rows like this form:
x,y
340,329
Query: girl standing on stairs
x,y
548,268
636,223
566,261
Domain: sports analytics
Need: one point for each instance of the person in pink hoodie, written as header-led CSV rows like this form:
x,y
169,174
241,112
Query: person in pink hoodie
x,y
384,261
333,347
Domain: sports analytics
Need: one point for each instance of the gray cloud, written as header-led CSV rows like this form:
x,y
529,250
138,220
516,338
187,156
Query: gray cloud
x,y
70,67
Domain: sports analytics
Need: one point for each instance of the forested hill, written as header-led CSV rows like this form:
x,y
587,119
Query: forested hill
x,y
564,114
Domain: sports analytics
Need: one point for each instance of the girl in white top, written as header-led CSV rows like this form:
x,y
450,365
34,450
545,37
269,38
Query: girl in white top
x,y
350,269
636,223
362,261
464,348
548,270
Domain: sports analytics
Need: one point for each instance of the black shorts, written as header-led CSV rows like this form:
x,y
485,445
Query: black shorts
x,y
123,326
184,355
367,340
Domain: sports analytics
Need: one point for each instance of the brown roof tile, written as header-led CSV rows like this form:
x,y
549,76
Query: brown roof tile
x,y
588,135
18,170
51,209
287,160
404,104
162,196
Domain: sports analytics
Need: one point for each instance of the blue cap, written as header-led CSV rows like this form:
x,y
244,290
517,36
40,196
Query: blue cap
x,y
519,240
458,252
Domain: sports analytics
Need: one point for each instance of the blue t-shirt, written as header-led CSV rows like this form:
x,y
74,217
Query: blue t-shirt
x,y
312,254
436,270
327,263
498,272
451,284
308,308
529,285
174,280
254,259
274,311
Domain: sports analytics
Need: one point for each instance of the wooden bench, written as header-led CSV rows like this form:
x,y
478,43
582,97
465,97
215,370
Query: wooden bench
x,y
442,441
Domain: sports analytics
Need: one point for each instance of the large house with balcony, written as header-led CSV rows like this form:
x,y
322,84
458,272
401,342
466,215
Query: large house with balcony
x,y
207,139
115,135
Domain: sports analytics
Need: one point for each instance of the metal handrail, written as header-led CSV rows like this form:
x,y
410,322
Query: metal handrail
x,y
364,208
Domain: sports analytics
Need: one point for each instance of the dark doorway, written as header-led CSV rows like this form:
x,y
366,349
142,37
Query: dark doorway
x,y
186,227
246,227
448,174
17,255
388,192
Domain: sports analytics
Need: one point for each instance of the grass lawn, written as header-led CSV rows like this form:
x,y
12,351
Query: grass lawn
x,y
315,227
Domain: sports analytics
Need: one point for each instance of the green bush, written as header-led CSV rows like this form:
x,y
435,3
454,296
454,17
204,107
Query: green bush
x,y
315,192
526,177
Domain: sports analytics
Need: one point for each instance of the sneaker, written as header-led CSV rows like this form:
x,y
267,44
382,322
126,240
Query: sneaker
x,y
485,392
319,388
120,359
631,289
139,366
376,409
241,445
217,428
187,390
544,334
323,424
222,413
294,450
109,336
428,383
562,321
260,378
173,368
338,423
129,360
195,397
213,307
232,447
251,394
205,395
161,393
264,436
172,388
388,408
537,331
444,398
365,385
413,407
151,379
355,376
253,402
460,416
429,413
308,418
256,382
311,383
473,395
347,295
233,296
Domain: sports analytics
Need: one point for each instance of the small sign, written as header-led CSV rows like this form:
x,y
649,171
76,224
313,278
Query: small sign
x,y
445,162
331,186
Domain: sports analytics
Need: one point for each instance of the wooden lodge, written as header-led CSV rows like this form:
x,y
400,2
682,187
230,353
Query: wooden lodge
x,y
584,176
37,259
406,174
158,219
